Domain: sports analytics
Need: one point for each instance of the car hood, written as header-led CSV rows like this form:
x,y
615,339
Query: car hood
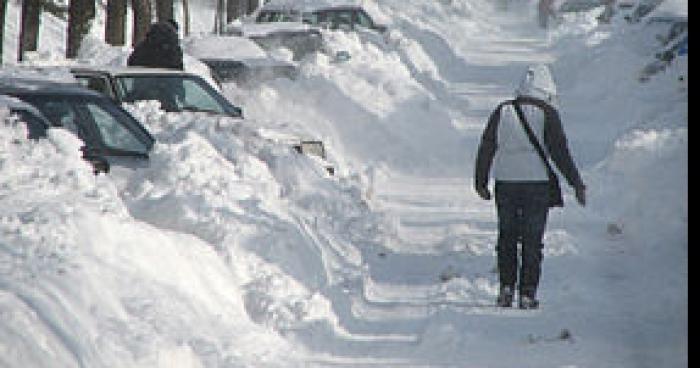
x,y
224,47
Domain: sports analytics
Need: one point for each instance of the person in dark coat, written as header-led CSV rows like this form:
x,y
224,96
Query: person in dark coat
x,y
159,49
545,13
522,180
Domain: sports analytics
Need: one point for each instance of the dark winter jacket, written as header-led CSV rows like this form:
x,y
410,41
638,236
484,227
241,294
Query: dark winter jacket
x,y
555,143
160,49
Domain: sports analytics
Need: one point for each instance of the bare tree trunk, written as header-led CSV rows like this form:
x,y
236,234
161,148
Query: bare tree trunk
x,y
3,11
115,34
164,10
233,10
252,6
142,19
220,17
186,15
29,30
80,15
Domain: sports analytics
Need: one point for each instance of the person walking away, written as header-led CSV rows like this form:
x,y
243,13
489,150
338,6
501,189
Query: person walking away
x,y
545,12
520,137
608,12
159,49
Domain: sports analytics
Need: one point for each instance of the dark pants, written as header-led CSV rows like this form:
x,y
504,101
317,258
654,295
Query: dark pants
x,y
522,217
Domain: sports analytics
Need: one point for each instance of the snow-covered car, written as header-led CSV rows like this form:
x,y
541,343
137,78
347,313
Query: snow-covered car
x,y
281,24
296,25
238,59
176,91
346,17
667,28
642,9
299,38
36,123
112,137
670,40
573,6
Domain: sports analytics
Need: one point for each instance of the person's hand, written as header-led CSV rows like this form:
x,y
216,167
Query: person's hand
x,y
484,193
581,195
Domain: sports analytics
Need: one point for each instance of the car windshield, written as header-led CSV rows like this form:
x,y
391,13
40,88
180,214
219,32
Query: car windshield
x,y
94,120
175,93
270,16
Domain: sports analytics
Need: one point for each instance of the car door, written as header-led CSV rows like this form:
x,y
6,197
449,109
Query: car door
x,y
111,136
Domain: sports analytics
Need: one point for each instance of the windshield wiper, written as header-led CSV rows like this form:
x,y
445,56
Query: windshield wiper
x,y
199,109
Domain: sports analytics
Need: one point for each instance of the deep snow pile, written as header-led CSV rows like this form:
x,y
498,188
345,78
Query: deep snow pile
x,y
72,253
232,250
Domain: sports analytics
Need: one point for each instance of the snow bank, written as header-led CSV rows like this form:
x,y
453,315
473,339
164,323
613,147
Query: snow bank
x,y
70,254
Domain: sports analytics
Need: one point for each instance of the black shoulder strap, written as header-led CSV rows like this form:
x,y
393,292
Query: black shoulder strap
x,y
533,139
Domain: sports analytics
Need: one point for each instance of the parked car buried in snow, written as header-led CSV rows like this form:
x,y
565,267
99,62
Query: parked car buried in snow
x,y
112,137
281,25
177,92
238,59
348,17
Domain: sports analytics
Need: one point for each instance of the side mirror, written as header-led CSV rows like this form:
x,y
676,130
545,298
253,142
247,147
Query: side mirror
x,y
381,28
236,112
99,163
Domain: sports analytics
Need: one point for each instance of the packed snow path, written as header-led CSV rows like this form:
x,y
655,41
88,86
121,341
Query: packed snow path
x,y
426,295
441,260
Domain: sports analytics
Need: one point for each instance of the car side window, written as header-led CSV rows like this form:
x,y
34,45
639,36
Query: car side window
x,y
164,90
95,83
114,135
61,114
194,95
324,18
263,17
364,20
310,18
342,19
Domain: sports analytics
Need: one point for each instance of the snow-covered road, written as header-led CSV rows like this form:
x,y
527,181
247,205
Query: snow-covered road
x,y
231,250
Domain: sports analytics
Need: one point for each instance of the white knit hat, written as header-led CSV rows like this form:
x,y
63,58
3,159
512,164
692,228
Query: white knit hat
x,y
538,83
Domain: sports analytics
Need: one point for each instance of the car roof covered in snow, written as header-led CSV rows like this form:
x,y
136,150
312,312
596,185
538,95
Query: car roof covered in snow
x,y
224,47
308,5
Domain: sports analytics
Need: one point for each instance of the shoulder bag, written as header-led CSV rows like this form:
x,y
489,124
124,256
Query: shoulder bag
x,y
555,197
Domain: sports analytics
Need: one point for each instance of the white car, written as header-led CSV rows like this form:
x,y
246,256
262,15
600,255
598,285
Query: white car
x,y
238,59
280,25
297,24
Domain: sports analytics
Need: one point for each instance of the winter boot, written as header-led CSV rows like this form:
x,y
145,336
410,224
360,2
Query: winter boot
x,y
505,297
528,302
